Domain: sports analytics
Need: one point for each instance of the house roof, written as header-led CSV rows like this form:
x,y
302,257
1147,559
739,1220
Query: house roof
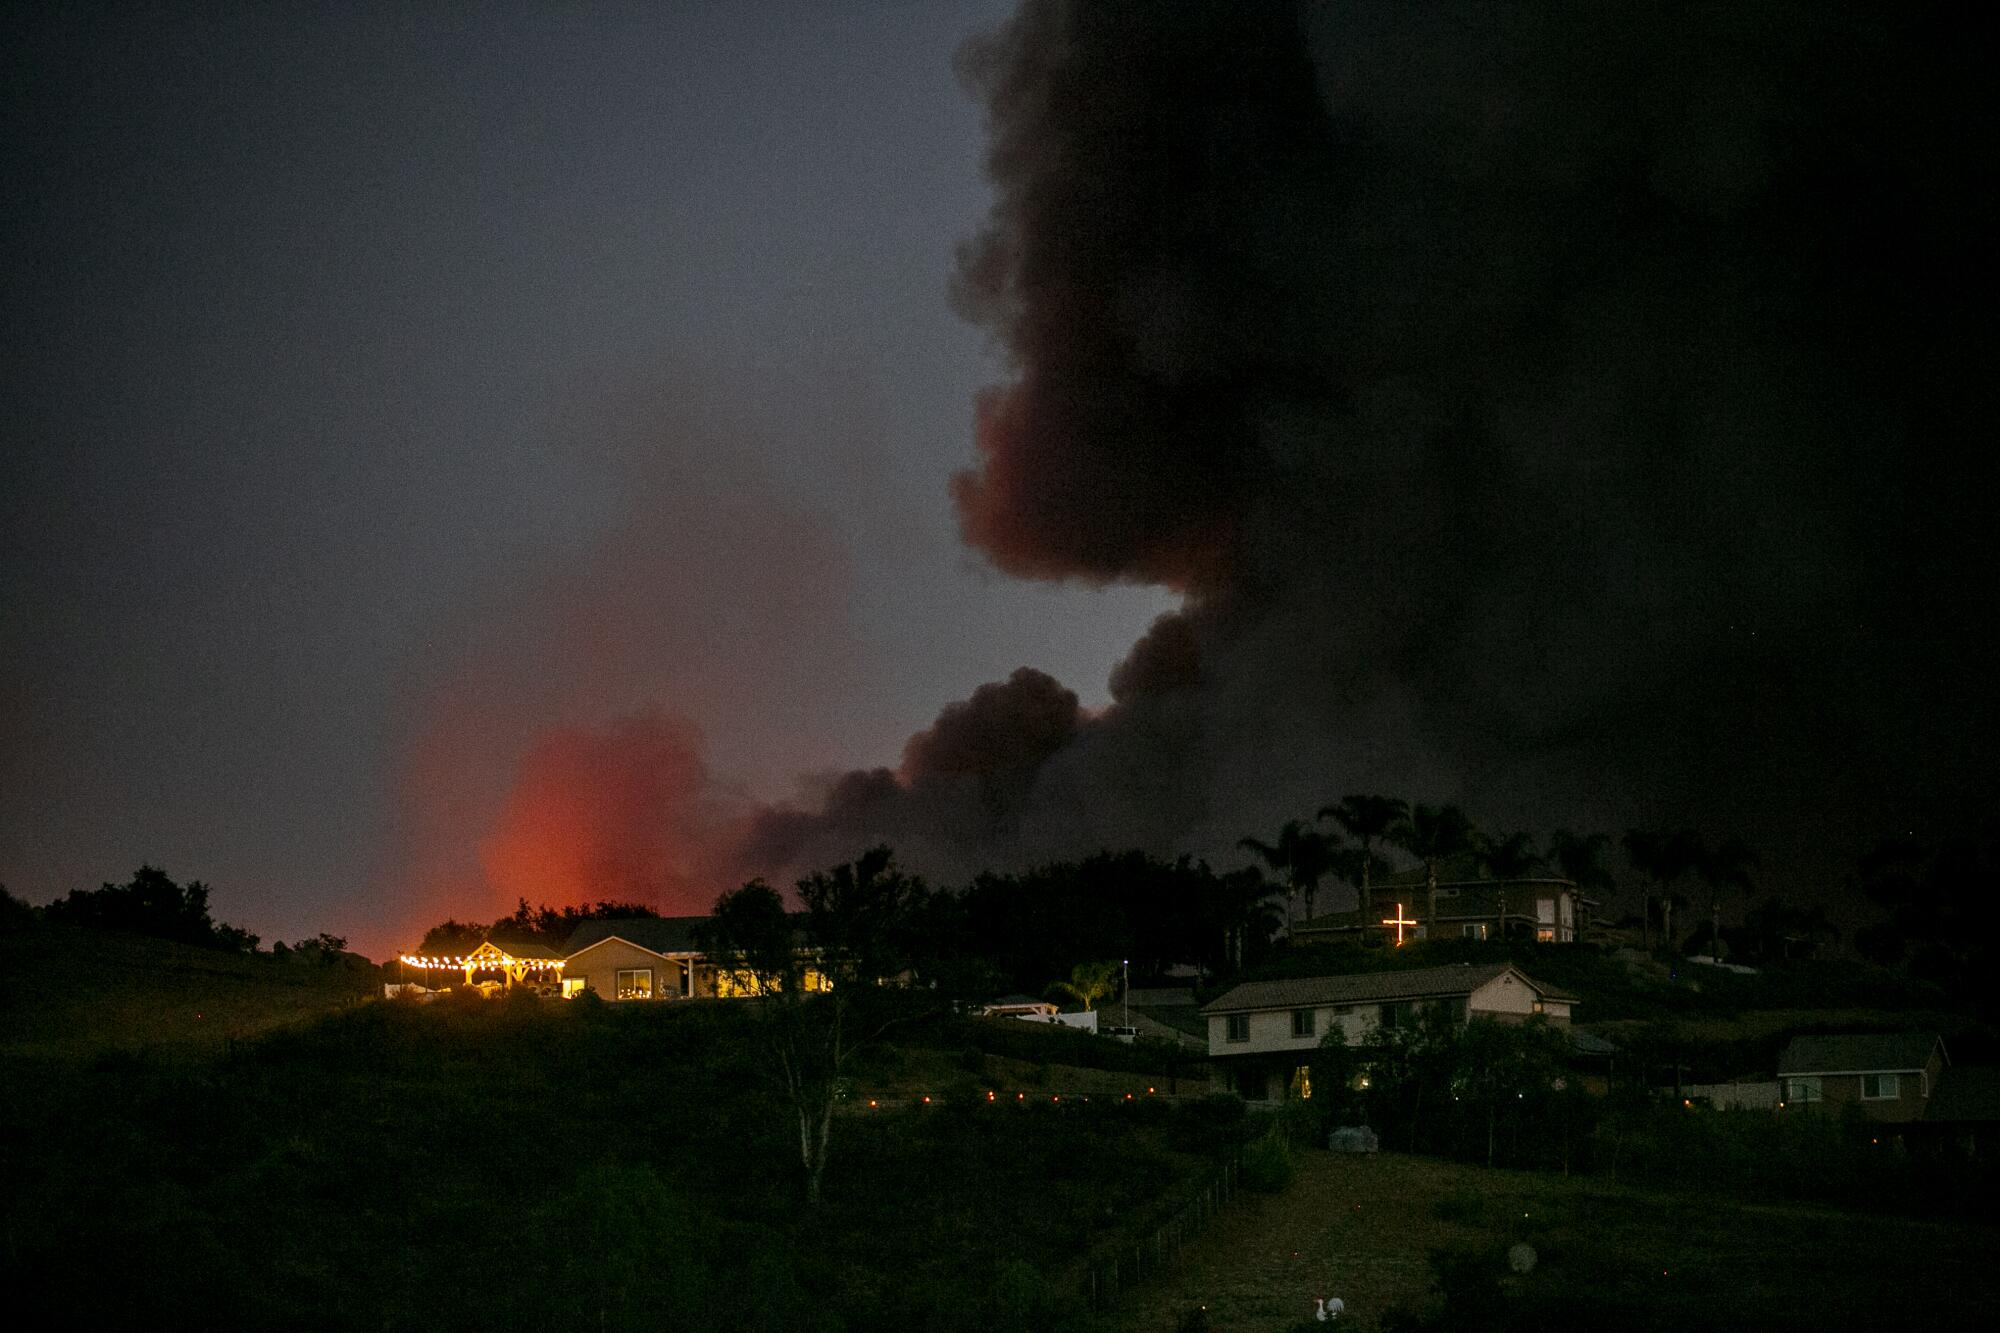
x,y
1858,1053
1589,1043
1017,1001
1160,997
661,935
521,948
1363,987
1457,872
1470,900
1148,1025
1966,1093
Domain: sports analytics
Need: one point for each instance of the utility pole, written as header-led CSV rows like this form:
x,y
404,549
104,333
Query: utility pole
x,y
1125,973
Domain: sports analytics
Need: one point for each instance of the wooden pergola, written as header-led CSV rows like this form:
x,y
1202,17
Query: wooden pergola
x,y
515,962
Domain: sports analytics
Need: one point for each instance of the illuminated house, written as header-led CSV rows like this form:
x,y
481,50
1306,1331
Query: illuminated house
x,y
1262,1034
646,958
1540,907
652,958
1885,1075
513,964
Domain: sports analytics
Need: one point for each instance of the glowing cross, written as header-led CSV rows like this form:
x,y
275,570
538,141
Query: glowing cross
x,y
1398,921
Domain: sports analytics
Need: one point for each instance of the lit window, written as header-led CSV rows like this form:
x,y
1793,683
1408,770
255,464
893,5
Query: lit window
x,y
1302,1082
635,983
1239,1027
1880,1087
1545,934
1302,1023
573,987
1475,930
730,985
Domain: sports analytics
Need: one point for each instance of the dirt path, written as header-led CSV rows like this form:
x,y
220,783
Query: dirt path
x,y
1261,1265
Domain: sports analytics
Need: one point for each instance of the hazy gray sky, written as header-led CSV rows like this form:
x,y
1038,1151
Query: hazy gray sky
x,y
343,342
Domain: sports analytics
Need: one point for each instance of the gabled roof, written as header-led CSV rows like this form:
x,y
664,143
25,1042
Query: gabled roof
x,y
1966,1093
1366,987
520,949
661,935
1858,1053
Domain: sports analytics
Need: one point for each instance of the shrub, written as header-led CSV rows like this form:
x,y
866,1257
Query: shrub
x,y
1461,1206
1267,1163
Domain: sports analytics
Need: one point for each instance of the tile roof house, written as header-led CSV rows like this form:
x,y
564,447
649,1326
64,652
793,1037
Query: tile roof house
x,y
1540,907
1889,1076
1264,1031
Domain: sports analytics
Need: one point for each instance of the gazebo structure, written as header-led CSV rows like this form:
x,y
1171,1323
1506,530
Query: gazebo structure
x,y
515,963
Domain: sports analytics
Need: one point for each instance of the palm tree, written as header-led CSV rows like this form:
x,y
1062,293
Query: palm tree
x,y
1244,909
1431,833
1301,856
1090,982
1662,857
1580,860
1512,857
1367,820
1725,866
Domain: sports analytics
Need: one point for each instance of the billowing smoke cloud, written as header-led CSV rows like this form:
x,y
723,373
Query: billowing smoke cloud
x,y
625,812
1575,411
603,731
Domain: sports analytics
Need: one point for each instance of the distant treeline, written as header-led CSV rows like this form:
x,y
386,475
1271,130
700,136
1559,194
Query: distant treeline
x,y
151,903
1022,930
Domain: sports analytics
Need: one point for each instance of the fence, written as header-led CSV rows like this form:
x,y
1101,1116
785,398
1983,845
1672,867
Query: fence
x,y
1112,1273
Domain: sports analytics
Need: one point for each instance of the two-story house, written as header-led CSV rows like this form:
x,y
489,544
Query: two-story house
x,y
1261,1034
1547,908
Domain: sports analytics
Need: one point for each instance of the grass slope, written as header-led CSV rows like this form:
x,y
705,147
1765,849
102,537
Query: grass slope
x,y
485,1165
67,992
1361,1228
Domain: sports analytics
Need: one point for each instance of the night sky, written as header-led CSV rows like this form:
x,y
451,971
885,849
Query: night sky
x,y
610,453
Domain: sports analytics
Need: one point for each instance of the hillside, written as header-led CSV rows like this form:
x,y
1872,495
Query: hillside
x,y
69,992
1607,1255
475,1164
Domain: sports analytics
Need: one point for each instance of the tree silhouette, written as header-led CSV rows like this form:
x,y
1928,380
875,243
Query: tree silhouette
x,y
859,929
1508,858
1580,860
1663,857
1725,866
1301,857
1367,820
151,903
1432,833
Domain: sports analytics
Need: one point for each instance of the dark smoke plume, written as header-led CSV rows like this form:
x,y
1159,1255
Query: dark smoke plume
x,y
1573,410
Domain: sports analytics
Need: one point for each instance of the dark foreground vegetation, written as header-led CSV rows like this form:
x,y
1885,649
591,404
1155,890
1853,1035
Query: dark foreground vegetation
x,y
1417,1243
521,1163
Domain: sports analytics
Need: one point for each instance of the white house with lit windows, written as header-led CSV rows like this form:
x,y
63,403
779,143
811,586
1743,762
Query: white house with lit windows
x,y
1261,1034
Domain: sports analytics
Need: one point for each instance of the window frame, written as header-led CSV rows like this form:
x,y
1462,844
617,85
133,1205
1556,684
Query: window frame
x,y
1306,1019
618,986
1893,1083
1236,1027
